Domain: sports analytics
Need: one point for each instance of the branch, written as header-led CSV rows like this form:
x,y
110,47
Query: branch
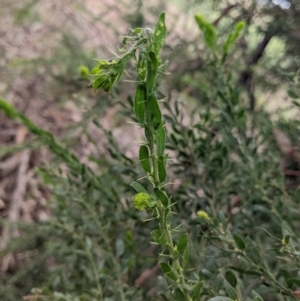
x,y
247,75
224,13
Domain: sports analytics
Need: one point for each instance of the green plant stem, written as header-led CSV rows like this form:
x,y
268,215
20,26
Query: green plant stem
x,y
163,222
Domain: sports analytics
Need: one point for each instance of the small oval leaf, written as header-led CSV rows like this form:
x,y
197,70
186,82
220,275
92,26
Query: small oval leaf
x,y
167,270
230,290
239,242
162,197
144,158
151,71
230,277
161,169
160,138
154,111
178,295
158,237
185,257
182,243
140,103
138,187
197,291
160,33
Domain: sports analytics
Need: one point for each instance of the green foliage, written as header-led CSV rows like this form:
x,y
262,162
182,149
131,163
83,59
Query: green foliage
x,y
209,32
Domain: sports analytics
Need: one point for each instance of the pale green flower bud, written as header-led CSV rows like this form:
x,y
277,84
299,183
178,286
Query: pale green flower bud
x,y
203,215
141,201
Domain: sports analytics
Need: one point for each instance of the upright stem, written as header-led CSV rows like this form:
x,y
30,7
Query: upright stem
x,y
162,217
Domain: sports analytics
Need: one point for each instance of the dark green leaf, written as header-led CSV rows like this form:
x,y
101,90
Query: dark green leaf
x,y
243,271
151,71
230,290
140,103
162,197
185,257
160,138
148,134
182,243
286,239
144,158
167,270
287,277
138,187
154,111
178,295
293,94
158,237
239,242
161,169
230,277
197,291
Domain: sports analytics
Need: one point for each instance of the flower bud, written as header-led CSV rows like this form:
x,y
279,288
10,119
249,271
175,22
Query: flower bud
x,y
203,215
141,201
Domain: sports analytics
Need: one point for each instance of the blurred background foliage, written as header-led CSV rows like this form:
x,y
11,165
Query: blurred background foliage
x,y
69,230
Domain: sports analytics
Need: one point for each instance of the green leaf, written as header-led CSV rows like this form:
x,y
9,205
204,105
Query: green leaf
x,y
8,109
160,138
286,239
230,277
287,276
140,103
138,187
293,94
197,291
159,237
141,67
239,242
256,296
185,257
151,71
232,37
182,243
162,197
230,290
120,248
154,111
209,32
144,158
243,271
179,295
167,270
162,174
160,33
148,134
